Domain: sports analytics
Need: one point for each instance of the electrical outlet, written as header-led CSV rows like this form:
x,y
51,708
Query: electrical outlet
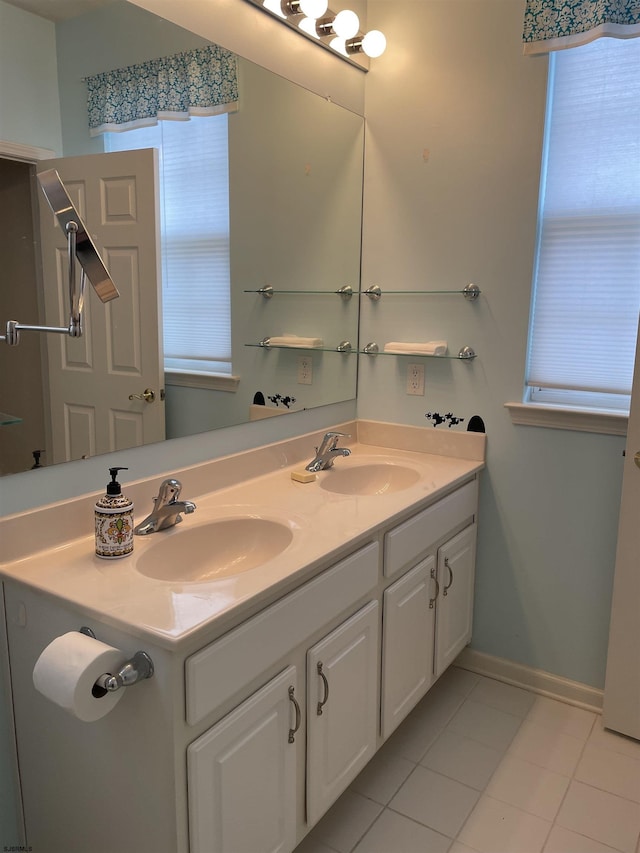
x,y
305,370
415,379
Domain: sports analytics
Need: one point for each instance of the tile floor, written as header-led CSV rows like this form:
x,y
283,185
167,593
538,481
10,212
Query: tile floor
x,y
483,767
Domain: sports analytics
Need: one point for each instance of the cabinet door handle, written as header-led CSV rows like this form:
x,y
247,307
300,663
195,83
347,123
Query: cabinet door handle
x,y
433,600
296,725
326,689
450,584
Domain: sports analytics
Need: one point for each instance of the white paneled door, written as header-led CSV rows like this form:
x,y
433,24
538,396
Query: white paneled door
x,y
120,353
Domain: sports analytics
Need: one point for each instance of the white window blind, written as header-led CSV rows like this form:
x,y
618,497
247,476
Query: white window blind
x,y
194,202
587,278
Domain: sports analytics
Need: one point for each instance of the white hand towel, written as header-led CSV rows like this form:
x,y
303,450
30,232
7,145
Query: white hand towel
x,y
295,341
428,348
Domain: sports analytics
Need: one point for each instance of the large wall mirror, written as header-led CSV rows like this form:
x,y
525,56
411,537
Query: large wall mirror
x,y
295,198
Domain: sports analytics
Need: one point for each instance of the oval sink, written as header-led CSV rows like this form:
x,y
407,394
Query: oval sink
x,y
371,478
212,551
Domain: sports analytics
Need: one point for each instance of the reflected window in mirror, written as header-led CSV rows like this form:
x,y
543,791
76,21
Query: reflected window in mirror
x,y
194,209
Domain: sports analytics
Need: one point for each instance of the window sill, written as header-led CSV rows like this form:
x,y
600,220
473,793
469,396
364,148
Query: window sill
x,y
579,420
208,381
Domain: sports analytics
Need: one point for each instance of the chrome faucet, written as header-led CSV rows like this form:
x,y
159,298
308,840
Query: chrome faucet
x,y
166,510
327,452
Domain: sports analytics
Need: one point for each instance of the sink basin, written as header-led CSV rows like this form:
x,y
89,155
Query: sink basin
x,y
370,478
215,550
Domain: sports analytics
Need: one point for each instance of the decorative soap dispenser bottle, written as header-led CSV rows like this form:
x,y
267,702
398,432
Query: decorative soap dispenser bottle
x,y
114,521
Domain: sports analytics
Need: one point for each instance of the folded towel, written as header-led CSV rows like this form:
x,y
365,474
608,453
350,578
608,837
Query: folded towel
x,y
295,341
428,348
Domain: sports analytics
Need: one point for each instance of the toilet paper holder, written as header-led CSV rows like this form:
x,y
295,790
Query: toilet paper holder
x,y
139,667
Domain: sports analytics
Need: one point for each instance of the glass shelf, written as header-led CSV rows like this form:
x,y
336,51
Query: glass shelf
x,y
269,292
344,347
471,292
6,420
465,354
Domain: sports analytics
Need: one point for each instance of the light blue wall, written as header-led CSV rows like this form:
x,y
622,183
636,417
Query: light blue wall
x,y
454,82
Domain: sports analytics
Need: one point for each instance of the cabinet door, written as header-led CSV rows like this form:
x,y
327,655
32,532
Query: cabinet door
x,y
342,678
242,776
407,643
454,612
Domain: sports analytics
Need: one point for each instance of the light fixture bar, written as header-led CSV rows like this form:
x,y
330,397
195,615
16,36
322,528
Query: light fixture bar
x,y
338,32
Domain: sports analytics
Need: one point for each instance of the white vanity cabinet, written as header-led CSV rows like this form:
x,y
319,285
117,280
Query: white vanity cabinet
x,y
242,775
342,708
242,740
407,644
428,611
294,745
454,601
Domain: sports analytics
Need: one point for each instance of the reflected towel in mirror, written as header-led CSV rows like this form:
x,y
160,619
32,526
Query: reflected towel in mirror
x,y
427,348
287,340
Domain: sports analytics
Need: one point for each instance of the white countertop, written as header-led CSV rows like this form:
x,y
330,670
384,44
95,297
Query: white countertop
x,y
324,526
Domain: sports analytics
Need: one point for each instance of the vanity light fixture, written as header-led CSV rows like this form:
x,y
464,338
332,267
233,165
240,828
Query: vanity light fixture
x,y
338,31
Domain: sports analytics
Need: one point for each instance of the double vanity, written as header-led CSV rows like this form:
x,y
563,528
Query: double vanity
x,y
292,626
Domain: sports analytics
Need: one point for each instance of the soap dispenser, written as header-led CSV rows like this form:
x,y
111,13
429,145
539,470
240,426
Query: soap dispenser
x,y
114,521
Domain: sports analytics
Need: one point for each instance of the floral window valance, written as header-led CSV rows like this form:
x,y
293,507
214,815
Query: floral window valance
x,y
197,82
556,24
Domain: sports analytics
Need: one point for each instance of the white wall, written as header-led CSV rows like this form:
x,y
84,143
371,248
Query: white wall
x,y
27,37
454,81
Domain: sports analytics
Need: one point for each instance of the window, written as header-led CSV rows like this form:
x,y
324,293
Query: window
x,y
194,205
587,277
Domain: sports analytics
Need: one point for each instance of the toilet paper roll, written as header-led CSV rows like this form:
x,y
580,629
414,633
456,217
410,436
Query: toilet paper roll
x,y
68,668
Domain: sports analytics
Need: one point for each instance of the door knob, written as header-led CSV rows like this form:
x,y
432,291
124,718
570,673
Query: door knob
x,y
147,395
636,458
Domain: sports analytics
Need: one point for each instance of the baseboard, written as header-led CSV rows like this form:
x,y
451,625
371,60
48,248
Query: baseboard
x,y
536,680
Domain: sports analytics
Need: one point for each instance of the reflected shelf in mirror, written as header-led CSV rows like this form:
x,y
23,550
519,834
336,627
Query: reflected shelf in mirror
x,y
7,419
471,292
344,347
466,353
268,292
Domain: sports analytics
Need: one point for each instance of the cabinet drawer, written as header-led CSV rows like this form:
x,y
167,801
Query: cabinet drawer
x,y
219,671
412,539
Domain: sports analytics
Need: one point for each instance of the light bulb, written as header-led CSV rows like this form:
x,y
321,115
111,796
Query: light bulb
x,y
313,8
346,24
308,26
374,43
339,45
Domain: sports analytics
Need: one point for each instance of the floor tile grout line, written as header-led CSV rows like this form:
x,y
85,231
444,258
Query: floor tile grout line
x,y
552,823
483,791
416,764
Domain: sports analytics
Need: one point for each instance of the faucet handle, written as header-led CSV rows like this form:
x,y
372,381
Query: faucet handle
x,y
169,490
332,438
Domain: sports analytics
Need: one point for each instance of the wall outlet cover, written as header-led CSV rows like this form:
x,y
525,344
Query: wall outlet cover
x,y
305,370
415,379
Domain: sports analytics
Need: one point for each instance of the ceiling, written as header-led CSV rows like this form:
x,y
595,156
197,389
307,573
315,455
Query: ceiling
x,y
58,10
